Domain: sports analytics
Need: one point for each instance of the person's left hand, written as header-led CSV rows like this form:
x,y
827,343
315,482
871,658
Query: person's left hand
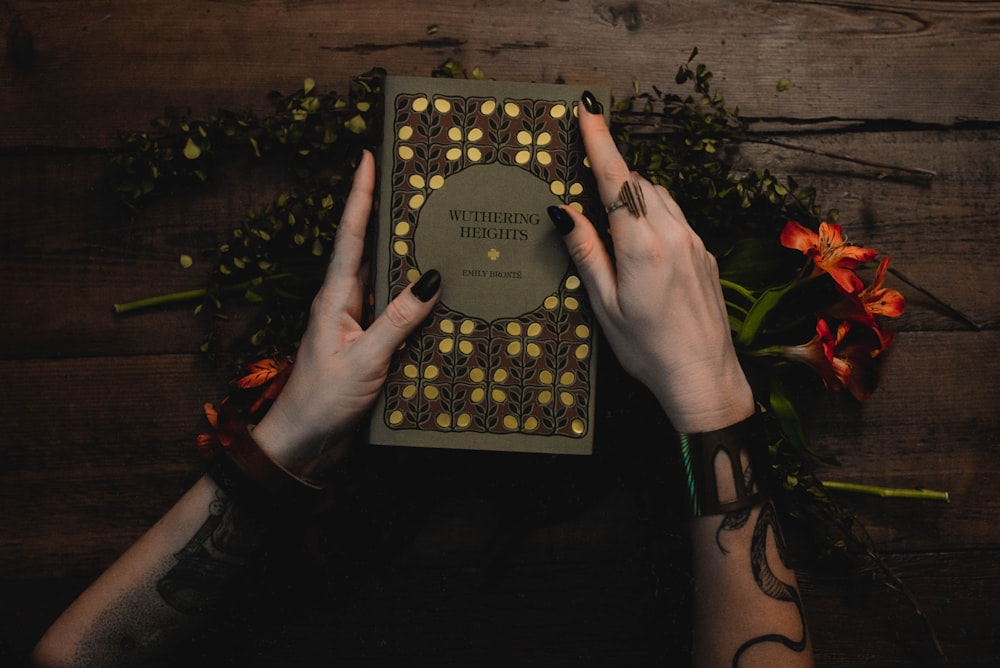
x,y
341,366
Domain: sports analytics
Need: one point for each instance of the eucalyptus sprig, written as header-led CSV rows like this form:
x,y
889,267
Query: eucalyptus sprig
x,y
277,256
308,131
687,143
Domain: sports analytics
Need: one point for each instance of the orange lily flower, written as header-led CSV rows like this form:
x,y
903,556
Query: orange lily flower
x,y
878,300
225,421
209,444
844,359
818,353
857,353
829,252
872,301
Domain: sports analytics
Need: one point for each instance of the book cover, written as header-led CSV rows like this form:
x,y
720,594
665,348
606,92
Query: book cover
x,y
507,359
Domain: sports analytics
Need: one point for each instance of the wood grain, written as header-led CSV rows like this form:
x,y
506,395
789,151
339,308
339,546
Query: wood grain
x,y
68,258
102,66
467,558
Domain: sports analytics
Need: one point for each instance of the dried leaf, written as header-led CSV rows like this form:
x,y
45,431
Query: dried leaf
x,y
212,415
191,150
261,372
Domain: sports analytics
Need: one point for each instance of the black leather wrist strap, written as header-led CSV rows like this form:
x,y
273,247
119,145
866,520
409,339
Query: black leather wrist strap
x,y
249,475
699,452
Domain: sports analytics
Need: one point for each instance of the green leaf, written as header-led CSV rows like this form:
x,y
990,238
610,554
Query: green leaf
x,y
791,423
191,150
758,313
755,262
356,124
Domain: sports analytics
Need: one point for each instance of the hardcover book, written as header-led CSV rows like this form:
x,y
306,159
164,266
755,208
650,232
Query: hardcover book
x,y
507,359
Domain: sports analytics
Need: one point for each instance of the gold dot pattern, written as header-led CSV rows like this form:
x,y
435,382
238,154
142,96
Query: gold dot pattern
x,y
529,373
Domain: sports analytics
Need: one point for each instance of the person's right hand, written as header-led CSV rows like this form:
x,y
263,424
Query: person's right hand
x,y
658,300
341,367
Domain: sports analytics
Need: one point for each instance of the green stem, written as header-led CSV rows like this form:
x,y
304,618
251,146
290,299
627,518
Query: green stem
x,y
769,351
887,492
186,295
159,300
734,307
737,288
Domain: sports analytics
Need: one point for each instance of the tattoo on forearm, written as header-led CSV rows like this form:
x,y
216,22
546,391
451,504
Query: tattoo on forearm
x,y
196,580
769,583
218,552
731,522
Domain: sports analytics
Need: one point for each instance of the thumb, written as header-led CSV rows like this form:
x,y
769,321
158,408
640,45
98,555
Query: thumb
x,y
588,253
402,315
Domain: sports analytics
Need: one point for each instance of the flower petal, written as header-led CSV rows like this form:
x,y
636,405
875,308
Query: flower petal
x,y
798,237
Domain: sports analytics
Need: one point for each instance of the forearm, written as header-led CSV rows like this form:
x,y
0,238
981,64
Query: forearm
x,y
172,577
748,611
187,564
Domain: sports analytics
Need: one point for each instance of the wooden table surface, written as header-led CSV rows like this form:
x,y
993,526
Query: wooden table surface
x,y
493,561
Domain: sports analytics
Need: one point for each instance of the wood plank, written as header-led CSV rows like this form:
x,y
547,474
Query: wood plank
x,y
938,232
120,63
858,625
64,260
93,432
933,423
566,614
471,558
97,450
581,615
68,254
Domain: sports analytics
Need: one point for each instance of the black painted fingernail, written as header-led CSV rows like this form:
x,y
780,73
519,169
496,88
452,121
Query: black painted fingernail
x,y
591,103
427,285
561,219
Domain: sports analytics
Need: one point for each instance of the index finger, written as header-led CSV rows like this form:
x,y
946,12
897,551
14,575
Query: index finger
x,y
606,162
349,244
